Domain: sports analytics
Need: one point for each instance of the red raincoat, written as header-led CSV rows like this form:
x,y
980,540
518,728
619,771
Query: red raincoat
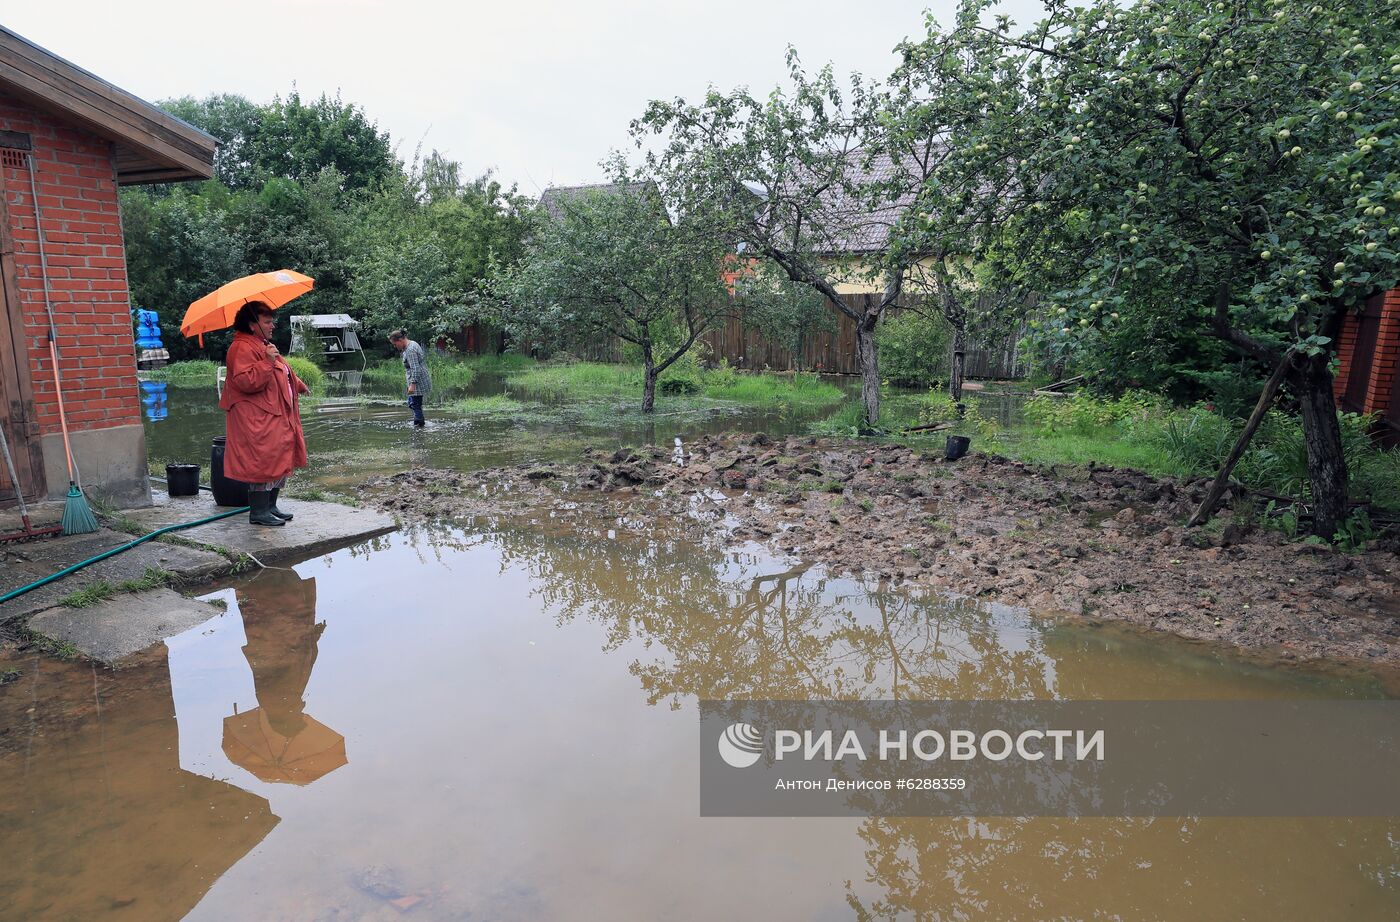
x,y
261,397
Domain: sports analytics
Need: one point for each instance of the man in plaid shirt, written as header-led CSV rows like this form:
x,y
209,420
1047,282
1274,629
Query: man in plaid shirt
x,y
416,375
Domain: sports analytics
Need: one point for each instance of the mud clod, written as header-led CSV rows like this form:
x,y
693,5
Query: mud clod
x,y
1101,543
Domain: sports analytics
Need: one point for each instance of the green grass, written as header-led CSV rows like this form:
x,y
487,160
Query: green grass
x,y
102,590
593,379
770,388
9,675
59,649
897,413
193,372
308,371
315,494
89,595
446,373
1105,446
496,404
584,379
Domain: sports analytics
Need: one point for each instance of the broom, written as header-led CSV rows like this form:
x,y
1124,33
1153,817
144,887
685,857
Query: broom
x,y
77,517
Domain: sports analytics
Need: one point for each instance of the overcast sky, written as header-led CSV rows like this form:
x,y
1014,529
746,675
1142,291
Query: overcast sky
x,y
539,90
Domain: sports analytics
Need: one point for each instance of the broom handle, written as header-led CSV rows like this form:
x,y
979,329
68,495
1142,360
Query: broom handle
x,y
62,417
14,478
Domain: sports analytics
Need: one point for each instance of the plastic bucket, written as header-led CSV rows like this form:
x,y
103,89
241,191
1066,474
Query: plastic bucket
x,y
956,447
226,492
182,479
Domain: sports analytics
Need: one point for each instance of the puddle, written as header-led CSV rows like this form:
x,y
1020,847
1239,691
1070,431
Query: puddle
x,y
501,723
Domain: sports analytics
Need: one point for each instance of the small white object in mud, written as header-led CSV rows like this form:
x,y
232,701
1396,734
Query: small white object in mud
x,y
678,453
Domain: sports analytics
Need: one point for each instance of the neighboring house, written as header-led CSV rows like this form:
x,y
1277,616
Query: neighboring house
x,y
75,139
1368,380
855,235
556,198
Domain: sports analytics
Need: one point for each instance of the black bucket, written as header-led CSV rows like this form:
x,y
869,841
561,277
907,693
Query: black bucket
x,y
956,447
182,479
226,492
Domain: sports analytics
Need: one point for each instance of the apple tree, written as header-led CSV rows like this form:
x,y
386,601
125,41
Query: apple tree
x,y
1237,158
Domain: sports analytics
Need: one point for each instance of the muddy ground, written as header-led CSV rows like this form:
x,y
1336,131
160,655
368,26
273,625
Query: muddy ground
x,y
1098,543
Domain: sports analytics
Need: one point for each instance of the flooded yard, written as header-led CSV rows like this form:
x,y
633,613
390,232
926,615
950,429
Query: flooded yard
x,y
359,428
497,719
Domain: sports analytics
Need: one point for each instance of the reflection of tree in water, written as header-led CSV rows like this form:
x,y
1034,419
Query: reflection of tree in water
x,y
730,625
1125,868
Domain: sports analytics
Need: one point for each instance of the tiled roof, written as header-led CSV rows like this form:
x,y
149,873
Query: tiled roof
x,y
857,226
553,198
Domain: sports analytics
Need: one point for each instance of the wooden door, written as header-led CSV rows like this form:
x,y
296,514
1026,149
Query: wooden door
x,y
16,396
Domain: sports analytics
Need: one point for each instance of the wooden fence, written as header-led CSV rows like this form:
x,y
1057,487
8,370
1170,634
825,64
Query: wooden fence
x,y
834,351
830,351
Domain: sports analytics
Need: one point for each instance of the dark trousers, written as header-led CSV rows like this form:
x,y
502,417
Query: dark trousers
x,y
415,403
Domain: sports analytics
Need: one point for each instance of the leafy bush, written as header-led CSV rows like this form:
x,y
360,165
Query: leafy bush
x,y
723,375
307,371
913,349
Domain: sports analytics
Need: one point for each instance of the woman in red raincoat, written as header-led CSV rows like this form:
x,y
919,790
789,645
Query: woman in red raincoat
x,y
261,397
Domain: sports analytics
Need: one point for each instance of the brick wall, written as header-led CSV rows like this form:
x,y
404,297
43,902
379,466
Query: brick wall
x,y
76,180
1387,356
1346,353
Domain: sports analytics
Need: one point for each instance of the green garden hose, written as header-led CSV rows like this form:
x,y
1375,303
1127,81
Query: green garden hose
x,y
117,550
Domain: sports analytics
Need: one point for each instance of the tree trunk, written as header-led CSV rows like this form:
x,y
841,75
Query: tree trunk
x,y
1266,400
955,378
869,369
1322,434
649,385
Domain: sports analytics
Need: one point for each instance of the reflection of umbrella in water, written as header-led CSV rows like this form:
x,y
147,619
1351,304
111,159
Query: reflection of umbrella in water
x,y
277,741
314,751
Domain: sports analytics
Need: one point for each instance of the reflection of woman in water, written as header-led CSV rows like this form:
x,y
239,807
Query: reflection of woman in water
x,y
279,620
277,741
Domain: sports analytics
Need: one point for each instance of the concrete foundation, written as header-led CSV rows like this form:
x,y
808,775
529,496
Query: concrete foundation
x,y
124,625
111,629
112,463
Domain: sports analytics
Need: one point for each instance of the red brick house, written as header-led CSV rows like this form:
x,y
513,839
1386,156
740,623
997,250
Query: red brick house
x,y
1368,380
74,139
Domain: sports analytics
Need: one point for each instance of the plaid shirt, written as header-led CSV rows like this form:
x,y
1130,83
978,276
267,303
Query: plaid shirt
x,y
415,365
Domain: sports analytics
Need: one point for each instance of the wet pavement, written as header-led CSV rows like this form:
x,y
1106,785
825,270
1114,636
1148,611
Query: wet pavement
x,y
498,720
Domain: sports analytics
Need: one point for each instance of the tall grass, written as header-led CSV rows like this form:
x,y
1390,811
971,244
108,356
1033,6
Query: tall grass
x,y
582,379
185,374
1144,431
592,379
449,372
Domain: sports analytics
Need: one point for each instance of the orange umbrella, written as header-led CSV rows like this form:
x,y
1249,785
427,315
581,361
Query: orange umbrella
x,y
216,310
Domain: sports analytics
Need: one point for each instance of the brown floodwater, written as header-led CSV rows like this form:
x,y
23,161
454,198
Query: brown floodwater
x,y
500,722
